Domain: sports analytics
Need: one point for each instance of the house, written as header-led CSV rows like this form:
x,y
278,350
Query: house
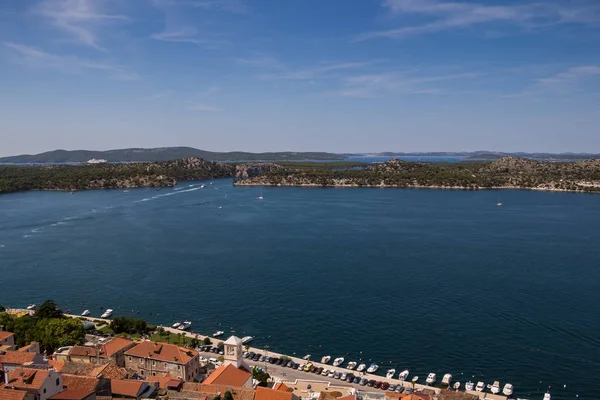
x,y
202,391
263,393
115,350
166,382
12,394
155,359
9,360
74,394
229,375
42,383
83,354
7,340
131,388
33,347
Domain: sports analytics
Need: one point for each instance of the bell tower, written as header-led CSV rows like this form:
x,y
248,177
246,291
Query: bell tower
x,y
233,351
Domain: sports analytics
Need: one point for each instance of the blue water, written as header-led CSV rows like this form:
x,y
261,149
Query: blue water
x,y
372,159
428,280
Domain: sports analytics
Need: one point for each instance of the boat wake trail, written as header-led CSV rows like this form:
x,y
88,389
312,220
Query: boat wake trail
x,y
173,193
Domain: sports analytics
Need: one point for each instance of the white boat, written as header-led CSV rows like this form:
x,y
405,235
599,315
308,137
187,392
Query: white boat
x,y
338,361
469,385
480,386
326,359
306,357
403,375
415,378
447,379
372,368
508,389
430,378
456,385
261,196
351,365
547,396
361,368
176,325
31,306
85,313
218,333
202,186
390,373
107,313
184,325
495,387
247,339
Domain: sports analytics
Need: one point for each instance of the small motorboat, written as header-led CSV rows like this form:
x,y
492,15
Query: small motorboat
x,y
508,389
488,386
415,379
306,357
390,373
447,379
361,368
202,186
185,325
176,325
218,333
480,386
430,378
31,307
372,368
547,396
107,313
495,387
469,385
247,339
326,359
351,365
85,313
456,385
338,361
403,375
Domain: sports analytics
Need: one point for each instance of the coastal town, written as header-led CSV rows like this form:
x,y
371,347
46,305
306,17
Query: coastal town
x,y
111,366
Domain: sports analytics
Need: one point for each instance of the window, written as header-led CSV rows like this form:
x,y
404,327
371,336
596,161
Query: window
x,y
57,382
153,363
129,358
142,372
154,374
165,365
179,367
44,390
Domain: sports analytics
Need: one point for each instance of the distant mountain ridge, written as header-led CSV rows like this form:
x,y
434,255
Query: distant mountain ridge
x,y
163,154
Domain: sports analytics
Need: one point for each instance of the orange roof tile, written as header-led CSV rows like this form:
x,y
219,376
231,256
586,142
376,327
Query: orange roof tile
x,y
349,397
79,382
281,386
162,351
238,393
27,378
5,335
83,351
108,371
57,365
166,381
72,394
228,375
16,357
415,396
11,394
394,395
126,387
27,347
263,393
117,344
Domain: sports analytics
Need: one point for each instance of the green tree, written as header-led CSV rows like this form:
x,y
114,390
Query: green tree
x,y
221,346
261,376
217,397
25,329
227,395
55,333
7,321
48,309
2,309
194,343
207,341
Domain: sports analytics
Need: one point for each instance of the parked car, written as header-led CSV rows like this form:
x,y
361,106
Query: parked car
x,y
221,352
349,378
256,357
319,370
378,384
399,389
363,381
343,376
408,390
250,355
202,359
331,374
263,358
325,372
274,360
392,387
356,379
384,386
300,367
371,383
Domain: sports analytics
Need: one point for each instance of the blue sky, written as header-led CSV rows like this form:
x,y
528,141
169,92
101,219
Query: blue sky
x,y
328,75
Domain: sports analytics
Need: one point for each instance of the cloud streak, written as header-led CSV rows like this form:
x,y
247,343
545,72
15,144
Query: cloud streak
x,y
187,35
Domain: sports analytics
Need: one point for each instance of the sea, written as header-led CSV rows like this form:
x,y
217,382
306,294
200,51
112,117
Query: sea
x,y
426,280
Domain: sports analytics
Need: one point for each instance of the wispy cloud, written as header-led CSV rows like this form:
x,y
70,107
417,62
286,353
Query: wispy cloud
x,y
567,82
35,58
192,105
446,15
78,18
187,35
234,6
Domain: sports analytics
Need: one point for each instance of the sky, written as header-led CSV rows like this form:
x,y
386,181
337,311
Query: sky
x,y
300,75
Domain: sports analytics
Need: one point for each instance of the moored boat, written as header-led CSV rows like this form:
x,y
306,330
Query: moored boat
x,y
372,368
107,313
508,389
430,378
326,359
185,325
480,386
469,385
495,387
338,361
361,367
247,339
403,375
415,379
31,307
351,365
176,325
447,379
456,385
218,333
390,373
547,396
85,313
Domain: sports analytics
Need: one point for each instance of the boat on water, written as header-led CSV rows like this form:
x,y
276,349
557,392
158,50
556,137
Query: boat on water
x,y
372,368
185,325
447,379
247,339
430,378
85,313
351,365
547,396
403,375
176,325
338,361
415,378
107,313
480,386
326,359
456,385
495,387
306,357
507,390
390,373
469,385
31,307
261,196
361,368
218,333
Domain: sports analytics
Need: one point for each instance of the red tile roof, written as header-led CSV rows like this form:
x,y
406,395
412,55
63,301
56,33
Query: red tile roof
x,y
57,365
125,387
349,397
27,378
228,375
11,394
114,346
5,335
79,382
263,393
27,347
166,381
72,394
16,357
282,386
83,351
162,351
108,371
238,393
